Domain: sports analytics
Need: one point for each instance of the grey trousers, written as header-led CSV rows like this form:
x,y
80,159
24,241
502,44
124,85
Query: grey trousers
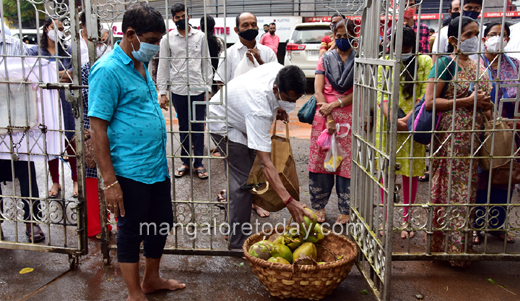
x,y
240,159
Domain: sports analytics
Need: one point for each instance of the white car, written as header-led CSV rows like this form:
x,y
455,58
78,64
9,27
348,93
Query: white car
x,y
303,48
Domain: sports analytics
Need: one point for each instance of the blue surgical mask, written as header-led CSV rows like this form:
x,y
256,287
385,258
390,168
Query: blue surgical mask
x,y
406,56
343,44
146,51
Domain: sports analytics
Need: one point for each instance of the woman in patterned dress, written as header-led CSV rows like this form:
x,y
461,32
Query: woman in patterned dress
x,y
410,169
334,86
453,175
509,67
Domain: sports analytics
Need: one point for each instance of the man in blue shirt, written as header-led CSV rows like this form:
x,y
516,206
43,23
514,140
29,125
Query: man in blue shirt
x,y
129,136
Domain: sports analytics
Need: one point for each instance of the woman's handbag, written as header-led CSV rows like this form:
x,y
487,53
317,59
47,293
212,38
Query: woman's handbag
x,y
307,111
500,175
501,146
283,160
421,125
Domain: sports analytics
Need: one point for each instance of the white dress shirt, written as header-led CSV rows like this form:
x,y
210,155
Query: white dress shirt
x,y
235,54
194,72
251,108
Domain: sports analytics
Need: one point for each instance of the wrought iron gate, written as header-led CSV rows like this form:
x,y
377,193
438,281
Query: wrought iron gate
x,y
200,222
449,225
35,100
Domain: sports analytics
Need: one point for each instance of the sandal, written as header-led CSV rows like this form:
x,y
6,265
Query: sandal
x,y
54,195
342,219
221,197
181,171
425,178
320,214
201,173
510,238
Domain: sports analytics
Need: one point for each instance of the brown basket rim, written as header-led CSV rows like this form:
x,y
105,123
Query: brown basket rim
x,y
347,258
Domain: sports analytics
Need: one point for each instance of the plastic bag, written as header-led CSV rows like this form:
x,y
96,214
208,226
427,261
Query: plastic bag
x,y
335,154
324,140
245,65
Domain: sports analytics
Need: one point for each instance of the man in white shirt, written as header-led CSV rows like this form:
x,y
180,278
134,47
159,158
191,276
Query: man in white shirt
x,y
471,9
247,30
253,100
513,46
194,74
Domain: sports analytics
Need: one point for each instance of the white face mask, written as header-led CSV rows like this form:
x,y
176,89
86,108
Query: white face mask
x,y
287,106
493,44
52,35
469,45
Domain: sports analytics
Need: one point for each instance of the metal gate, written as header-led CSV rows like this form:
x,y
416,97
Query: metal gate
x,y
458,206
200,220
41,124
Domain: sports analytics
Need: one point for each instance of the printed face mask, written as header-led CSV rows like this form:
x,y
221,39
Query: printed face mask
x,y
409,12
146,51
493,44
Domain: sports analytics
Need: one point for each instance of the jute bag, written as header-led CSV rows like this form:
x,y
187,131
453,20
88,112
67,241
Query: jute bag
x,y
502,144
283,160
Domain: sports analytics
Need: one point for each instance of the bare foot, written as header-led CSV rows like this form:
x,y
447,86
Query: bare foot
x,y
261,211
404,234
161,284
75,190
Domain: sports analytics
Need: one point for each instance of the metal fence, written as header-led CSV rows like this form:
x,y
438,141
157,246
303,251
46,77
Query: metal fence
x,y
459,215
41,123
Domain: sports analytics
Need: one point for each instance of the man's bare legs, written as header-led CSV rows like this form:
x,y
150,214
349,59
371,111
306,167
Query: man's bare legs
x,y
152,281
130,273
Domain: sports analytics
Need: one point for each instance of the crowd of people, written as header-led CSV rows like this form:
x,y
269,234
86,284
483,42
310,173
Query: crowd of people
x,y
123,119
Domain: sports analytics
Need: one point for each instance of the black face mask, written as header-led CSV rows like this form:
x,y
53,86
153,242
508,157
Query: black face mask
x,y
454,15
181,24
249,34
271,32
266,30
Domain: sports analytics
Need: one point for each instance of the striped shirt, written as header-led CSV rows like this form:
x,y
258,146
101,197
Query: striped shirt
x,y
12,46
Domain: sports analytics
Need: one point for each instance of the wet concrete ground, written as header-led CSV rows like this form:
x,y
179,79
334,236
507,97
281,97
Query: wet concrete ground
x,y
223,278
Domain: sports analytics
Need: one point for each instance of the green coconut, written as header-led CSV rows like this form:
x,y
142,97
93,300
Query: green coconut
x,y
307,249
261,249
316,235
283,251
277,239
278,260
293,238
308,224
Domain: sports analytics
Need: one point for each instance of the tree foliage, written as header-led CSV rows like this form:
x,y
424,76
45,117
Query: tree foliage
x,y
27,10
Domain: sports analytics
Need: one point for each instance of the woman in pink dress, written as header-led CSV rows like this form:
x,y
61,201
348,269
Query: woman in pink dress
x,y
333,86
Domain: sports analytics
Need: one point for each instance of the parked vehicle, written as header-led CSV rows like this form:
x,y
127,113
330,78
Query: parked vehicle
x,y
29,36
303,48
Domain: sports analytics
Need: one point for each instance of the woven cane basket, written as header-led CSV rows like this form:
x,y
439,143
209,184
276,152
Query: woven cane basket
x,y
312,282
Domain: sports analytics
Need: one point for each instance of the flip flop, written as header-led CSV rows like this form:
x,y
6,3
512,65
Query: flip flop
x,y
53,196
425,178
221,197
201,173
181,171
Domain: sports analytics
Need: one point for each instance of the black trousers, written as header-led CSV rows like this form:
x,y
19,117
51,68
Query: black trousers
x,y
148,219
28,185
